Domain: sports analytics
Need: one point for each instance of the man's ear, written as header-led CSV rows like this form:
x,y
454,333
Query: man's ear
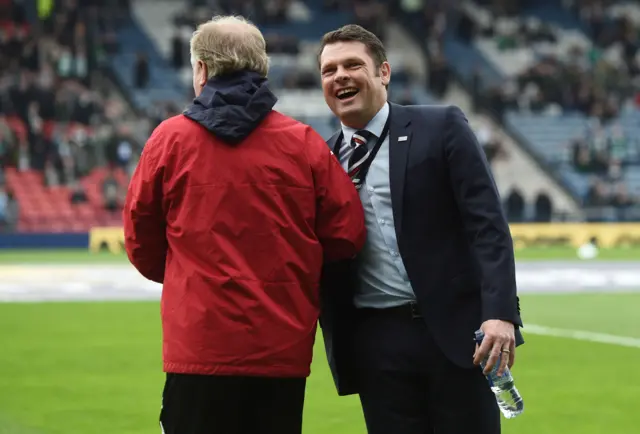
x,y
385,73
204,73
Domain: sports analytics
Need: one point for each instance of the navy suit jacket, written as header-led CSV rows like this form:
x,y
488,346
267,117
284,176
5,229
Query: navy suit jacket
x,y
452,234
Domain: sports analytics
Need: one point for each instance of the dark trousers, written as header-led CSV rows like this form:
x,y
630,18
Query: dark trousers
x,y
208,404
408,386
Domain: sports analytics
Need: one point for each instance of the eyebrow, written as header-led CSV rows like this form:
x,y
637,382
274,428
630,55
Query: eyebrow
x,y
347,60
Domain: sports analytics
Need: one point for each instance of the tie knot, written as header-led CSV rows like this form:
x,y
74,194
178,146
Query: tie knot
x,y
360,138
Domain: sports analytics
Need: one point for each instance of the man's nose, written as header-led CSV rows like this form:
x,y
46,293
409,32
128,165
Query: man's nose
x,y
341,75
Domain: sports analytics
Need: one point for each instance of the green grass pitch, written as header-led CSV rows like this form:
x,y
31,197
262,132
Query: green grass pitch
x,y
9,256
84,368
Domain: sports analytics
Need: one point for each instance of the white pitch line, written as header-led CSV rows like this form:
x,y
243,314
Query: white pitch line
x,y
581,335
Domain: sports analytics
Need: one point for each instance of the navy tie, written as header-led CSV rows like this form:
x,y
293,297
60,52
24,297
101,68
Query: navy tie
x,y
357,153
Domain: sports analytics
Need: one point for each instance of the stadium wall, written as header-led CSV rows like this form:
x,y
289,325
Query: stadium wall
x,y
98,239
44,241
607,235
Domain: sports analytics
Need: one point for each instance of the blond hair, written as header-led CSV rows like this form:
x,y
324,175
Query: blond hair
x,y
227,44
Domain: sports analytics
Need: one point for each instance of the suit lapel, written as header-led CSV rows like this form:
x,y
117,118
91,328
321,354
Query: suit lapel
x,y
332,140
399,144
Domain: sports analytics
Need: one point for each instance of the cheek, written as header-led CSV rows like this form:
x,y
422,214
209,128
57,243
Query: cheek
x,y
368,89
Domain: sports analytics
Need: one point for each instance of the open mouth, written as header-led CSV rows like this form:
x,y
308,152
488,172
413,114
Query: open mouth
x,y
347,93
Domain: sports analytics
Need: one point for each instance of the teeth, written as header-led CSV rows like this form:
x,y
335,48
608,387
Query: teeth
x,y
350,89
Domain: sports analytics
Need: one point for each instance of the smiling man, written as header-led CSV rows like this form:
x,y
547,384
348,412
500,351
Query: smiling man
x,y
438,262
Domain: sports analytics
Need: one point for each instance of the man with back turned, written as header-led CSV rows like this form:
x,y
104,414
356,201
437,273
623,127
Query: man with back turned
x,y
438,262
234,208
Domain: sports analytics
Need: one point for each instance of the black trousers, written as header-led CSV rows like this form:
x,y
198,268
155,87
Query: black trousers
x,y
410,387
208,404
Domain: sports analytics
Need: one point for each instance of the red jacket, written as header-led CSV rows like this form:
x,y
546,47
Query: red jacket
x,y
234,207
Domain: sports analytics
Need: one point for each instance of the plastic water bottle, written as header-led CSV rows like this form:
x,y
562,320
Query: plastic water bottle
x,y
508,397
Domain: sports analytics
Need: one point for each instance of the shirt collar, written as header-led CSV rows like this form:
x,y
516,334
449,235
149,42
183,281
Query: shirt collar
x,y
375,125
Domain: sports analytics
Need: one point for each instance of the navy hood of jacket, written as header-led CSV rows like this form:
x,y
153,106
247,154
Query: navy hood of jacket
x,y
233,105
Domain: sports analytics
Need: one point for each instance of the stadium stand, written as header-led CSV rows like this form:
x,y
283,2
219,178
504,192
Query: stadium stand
x,y
564,80
83,83
67,140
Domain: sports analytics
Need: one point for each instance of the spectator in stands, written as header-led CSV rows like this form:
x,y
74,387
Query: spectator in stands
x,y
78,194
9,212
51,176
582,157
7,143
402,335
490,143
4,205
622,201
13,212
177,49
54,110
275,12
119,149
597,194
439,75
111,192
618,144
234,207
141,72
372,15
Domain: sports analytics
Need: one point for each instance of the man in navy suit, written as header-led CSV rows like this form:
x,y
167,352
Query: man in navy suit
x,y
438,264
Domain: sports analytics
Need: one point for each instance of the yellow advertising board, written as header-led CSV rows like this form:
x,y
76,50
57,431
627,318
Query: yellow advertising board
x,y
608,235
109,238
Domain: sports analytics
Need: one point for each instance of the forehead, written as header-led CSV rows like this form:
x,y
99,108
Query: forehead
x,y
342,51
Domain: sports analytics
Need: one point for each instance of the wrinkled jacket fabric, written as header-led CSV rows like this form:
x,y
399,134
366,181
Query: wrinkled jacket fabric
x,y
234,207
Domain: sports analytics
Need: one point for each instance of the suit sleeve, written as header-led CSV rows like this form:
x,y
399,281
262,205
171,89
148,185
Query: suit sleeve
x,y
339,213
143,216
485,224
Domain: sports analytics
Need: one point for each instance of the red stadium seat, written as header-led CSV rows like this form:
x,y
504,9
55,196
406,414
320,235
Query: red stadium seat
x,y
18,127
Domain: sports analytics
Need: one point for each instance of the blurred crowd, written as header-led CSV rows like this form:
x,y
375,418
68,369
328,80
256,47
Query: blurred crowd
x,y
370,14
614,65
58,115
603,156
599,80
62,115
